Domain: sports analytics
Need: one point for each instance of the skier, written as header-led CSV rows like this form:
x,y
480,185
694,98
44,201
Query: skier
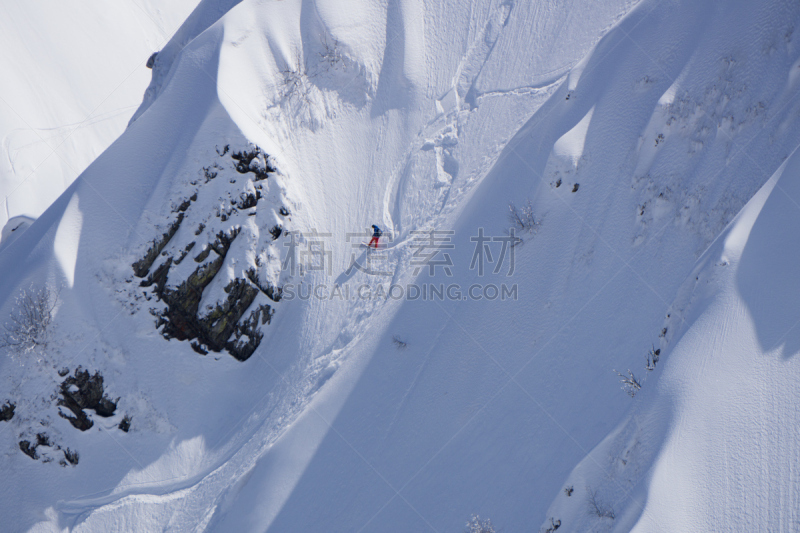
x,y
376,234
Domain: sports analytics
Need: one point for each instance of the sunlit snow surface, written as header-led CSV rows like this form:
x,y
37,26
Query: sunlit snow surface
x,y
73,74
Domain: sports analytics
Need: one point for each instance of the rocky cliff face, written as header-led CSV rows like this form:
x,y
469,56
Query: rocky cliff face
x,y
209,268
216,265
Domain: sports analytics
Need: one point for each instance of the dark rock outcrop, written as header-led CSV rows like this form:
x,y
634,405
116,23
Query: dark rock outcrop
x,y
28,449
181,319
142,266
84,391
221,321
247,334
71,457
223,327
255,161
246,201
271,291
7,412
185,252
42,439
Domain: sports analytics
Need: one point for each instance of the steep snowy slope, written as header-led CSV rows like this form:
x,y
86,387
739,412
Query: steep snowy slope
x,y
72,77
713,445
490,401
633,133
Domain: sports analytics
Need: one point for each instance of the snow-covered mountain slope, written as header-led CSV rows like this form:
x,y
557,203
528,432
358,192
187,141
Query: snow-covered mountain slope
x,y
73,75
713,446
633,134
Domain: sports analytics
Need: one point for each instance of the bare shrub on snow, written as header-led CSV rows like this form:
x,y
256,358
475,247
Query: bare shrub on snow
x,y
400,343
598,507
630,384
296,87
28,328
522,220
331,56
476,525
313,86
652,358
299,96
554,525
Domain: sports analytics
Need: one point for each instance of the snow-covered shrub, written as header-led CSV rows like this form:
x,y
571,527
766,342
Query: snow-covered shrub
x,y
400,343
331,55
630,384
554,525
28,328
522,219
652,358
597,507
296,87
476,525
